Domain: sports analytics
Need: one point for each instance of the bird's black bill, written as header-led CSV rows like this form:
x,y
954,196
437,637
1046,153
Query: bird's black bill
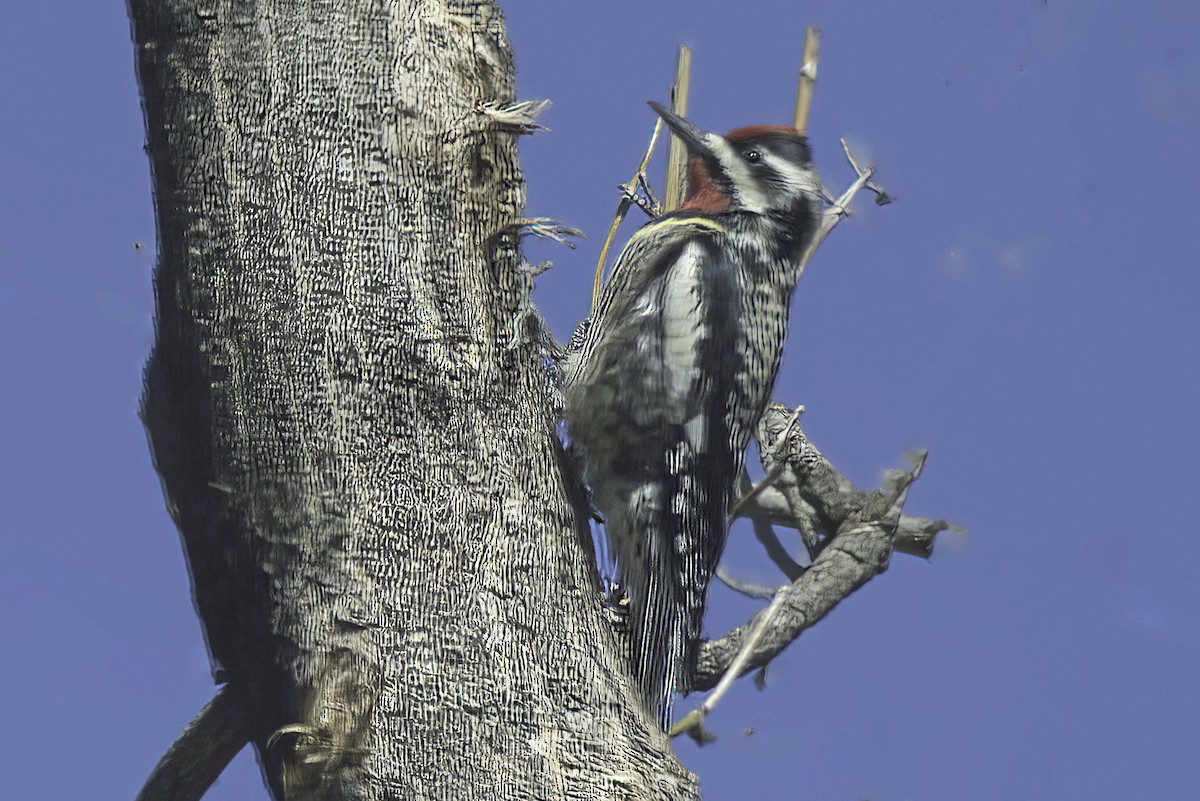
x,y
692,136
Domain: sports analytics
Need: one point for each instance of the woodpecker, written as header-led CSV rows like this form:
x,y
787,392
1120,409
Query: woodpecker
x,y
664,384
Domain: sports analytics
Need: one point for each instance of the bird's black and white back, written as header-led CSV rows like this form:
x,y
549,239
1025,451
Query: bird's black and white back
x,y
667,379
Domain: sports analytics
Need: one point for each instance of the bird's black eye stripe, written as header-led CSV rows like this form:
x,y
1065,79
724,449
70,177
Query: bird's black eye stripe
x,y
753,156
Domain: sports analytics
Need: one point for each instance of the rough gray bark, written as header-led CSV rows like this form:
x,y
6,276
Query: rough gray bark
x,y
384,551
353,424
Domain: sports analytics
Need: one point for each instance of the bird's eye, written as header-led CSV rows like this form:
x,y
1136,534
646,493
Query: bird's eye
x,y
753,156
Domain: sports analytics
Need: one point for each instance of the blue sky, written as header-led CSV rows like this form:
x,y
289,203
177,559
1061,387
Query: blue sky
x,y
1025,310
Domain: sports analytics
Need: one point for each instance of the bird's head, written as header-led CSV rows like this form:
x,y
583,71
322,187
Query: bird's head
x,y
762,169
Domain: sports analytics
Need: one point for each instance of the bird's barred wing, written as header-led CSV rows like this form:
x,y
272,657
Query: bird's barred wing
x,y
642,348
659,352
649,252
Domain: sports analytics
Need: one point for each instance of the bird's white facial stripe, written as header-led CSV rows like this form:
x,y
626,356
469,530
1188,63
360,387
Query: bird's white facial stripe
x,y
797,179
745,185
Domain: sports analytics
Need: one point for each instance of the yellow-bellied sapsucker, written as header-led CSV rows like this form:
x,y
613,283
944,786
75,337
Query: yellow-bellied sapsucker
x,y
663,385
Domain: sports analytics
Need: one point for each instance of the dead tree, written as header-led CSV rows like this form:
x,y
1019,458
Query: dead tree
x,y
356,437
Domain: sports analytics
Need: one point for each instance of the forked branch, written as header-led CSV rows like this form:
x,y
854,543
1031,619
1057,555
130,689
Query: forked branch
x,y
860,535
850,535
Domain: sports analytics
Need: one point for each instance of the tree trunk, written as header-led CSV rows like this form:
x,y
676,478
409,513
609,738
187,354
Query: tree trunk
x,y
387,558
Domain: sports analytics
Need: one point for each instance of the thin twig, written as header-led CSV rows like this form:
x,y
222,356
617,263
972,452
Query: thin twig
x,y
549,228
882,198
808,77
677,154
775,470
694,719
629,191
764,532
839,208
519,117
748,588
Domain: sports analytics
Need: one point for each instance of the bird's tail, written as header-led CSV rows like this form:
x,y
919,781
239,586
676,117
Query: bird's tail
x,y
658,633
680,532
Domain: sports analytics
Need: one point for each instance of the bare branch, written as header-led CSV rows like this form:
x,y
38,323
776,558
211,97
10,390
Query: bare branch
x,y
858,554
748,588
840,207
863,528
677,154
206,746
819,498
808,77
548,228
763,622
628,198
771,507
632,191
518,117
776,552
773,474
915,535
882,198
